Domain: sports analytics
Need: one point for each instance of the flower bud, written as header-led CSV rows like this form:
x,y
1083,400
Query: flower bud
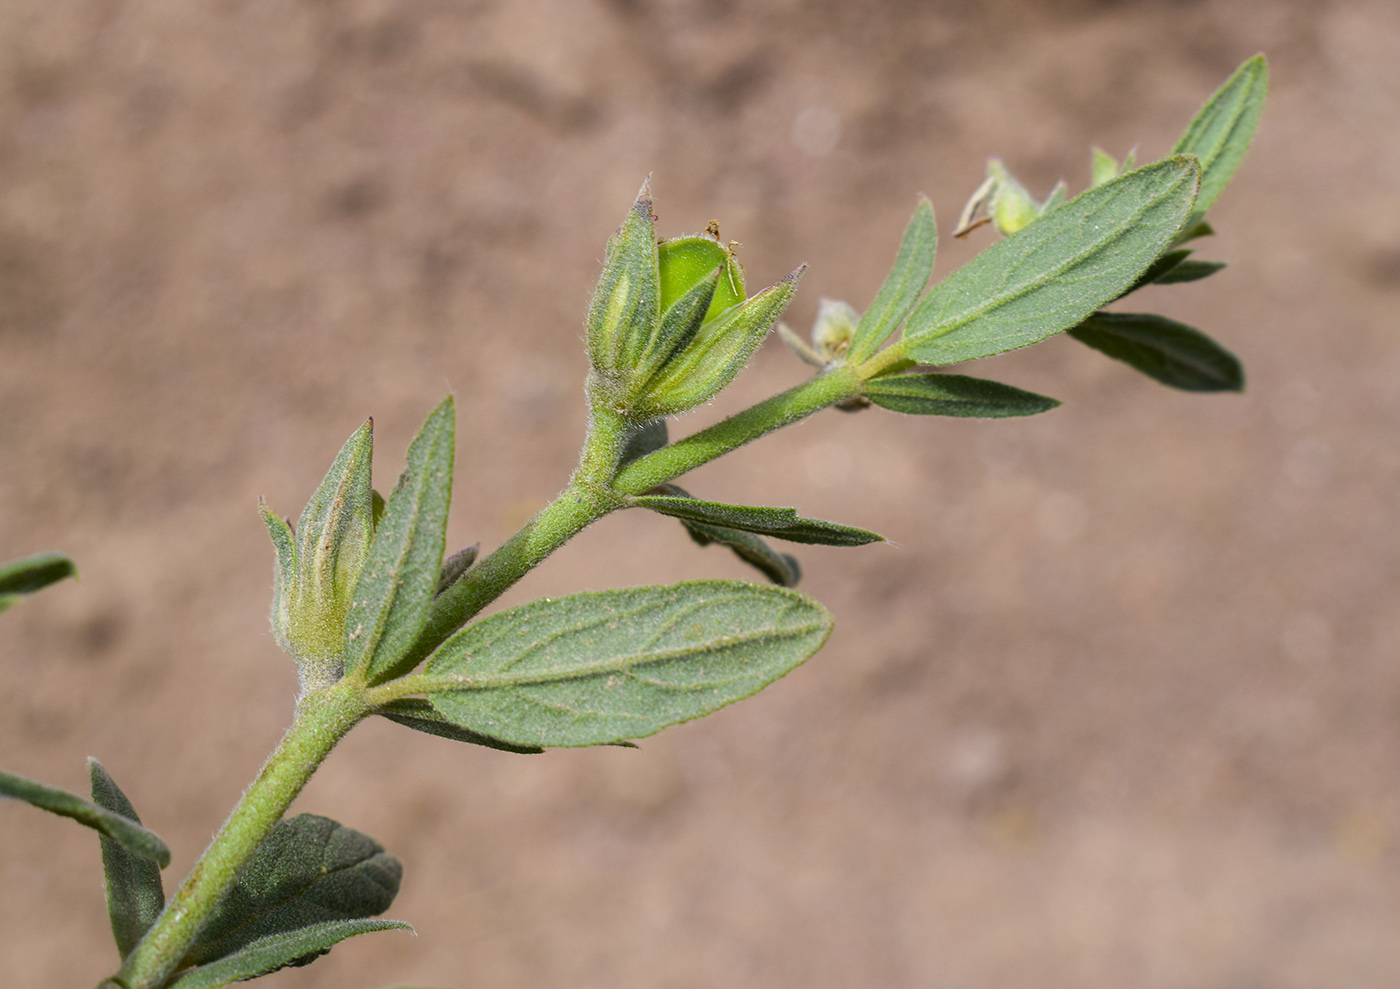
x,y
319,562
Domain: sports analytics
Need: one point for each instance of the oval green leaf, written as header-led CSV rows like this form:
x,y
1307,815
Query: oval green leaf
x,y
595,668
310,870
1173,353
1056,271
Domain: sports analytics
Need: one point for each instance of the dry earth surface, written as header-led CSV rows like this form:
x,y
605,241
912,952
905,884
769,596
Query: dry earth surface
x,y
1117,706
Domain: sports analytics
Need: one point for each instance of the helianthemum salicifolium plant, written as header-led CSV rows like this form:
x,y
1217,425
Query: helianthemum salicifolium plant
x,y
382,621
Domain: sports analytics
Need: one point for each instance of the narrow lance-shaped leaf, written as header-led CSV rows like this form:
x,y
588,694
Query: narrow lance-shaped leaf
x,y
1056,271
954,395
1173,353
906,282
595,668
418,714
1157,269
781,568
299,947
1220,133
310,870
121,829
135,896
32,573
780,523
405,557
1190,271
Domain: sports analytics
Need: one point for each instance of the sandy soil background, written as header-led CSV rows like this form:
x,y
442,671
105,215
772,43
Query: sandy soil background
x,y
1117,706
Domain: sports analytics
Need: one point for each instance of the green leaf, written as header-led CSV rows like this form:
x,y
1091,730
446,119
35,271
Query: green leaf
x,y
1056,271
404,563
1220,133
1190,271
1157,269
781,523
1173,353
601,667
289,948
310,871
1103,167
121,829
906,282
32,573
954,395
135,896
781,568
684,261
625,309
418,714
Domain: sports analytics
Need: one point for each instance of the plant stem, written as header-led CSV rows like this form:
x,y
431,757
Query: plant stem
x,y
587,498
783,409
322,719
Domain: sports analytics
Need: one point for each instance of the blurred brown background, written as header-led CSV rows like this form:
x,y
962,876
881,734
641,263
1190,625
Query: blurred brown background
x,y
1117,706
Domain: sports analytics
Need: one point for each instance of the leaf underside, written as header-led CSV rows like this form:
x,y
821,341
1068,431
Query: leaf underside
x,y
603,667
310,870
418,714
135,896
954,395
1172,353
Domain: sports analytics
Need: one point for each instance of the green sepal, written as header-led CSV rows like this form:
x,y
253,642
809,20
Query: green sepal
x,y
404,564
1173,353
418,714
781,568
954,395
310,870
1011,207
780,523
319,562
625,310
597,668
135,896
902,288
684,261
1103,167
119,828
1055,272
281,950
1190,271
32,573
1057,195
716,355
1220,134
679,325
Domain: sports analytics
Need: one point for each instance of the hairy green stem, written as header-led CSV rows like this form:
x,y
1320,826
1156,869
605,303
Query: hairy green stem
x,y
783,409
322,719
